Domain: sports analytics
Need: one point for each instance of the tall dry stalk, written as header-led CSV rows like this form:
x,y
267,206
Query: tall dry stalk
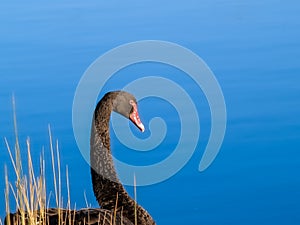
x,y
29,190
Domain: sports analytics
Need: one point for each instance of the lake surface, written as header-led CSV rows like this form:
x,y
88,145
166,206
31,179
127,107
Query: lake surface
x,y
252,48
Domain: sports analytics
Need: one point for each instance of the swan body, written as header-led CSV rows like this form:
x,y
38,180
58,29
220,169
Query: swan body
x,y
55,216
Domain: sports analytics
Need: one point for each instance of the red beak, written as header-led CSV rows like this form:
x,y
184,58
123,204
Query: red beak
x,y
134,117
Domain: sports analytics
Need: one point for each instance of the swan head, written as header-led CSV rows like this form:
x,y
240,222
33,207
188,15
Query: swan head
x,y
125,104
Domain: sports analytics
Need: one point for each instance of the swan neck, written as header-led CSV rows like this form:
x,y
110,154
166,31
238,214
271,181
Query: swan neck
x,y
108,190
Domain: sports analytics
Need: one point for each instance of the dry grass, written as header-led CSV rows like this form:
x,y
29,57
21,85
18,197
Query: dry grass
x,y
29,192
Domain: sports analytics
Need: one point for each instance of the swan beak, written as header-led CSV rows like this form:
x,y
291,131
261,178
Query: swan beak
x,y
134,117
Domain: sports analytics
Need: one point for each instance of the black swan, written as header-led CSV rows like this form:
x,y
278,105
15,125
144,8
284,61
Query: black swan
x,y
108,190
117,207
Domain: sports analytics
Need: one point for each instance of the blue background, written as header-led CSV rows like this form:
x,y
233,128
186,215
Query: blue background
x,y
253,48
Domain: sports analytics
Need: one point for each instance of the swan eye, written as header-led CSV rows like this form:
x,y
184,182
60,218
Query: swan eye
x,y
131,102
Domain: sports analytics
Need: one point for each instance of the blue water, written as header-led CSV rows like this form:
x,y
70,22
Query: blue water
x,y
253,48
